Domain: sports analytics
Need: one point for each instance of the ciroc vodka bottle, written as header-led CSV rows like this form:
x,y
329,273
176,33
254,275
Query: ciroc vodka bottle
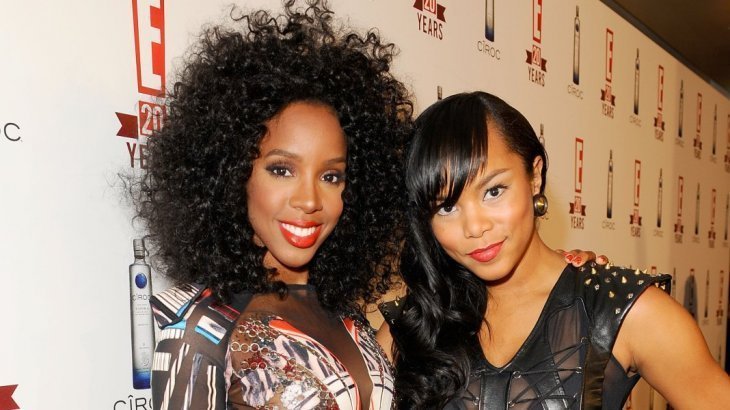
x,y
659,201
681,107
707,296
609,193
576,48
720,311
489,20
714,132
143,343
636,83
697,211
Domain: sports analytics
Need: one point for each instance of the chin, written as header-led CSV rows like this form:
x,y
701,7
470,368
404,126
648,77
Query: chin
x,y
495,271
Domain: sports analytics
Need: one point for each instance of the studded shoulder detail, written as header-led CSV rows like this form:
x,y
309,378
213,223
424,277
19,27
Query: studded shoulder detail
x,y
608,293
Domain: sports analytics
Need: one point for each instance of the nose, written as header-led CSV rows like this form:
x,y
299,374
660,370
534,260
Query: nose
x,y
306,196
475,222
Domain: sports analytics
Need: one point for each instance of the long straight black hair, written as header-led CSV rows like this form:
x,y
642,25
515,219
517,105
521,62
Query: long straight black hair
x,y
437,334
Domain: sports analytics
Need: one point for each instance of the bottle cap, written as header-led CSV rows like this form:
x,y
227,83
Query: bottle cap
x,y
139,249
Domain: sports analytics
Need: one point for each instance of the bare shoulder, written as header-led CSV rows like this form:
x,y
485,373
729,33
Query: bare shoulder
x,y
665,345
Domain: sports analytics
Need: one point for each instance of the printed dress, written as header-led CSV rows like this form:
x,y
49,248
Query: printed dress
x,y
264,352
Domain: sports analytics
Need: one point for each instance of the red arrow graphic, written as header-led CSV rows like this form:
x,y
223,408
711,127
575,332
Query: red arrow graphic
x,y
6,397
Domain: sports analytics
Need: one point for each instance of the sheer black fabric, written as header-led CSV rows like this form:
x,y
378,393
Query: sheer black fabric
x,y
556,366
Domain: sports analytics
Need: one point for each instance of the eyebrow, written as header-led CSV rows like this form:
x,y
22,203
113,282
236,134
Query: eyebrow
x,y
488,178
291,155
482,183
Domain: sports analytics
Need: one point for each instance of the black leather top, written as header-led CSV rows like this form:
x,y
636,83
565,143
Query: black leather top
x,y
566,361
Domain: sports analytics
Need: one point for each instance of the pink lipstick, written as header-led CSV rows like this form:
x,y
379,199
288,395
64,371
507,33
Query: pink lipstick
x,y
486,254
301,234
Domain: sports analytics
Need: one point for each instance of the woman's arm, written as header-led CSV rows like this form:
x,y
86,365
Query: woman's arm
x,y
664,344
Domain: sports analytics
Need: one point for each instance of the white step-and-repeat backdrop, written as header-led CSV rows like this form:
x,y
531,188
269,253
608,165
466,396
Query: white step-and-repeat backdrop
x,y
639,152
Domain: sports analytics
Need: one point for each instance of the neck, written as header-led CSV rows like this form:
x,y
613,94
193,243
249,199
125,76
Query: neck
x,y
286,274
534,274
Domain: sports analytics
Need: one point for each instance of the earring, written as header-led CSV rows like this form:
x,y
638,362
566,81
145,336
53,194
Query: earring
x,y
539,204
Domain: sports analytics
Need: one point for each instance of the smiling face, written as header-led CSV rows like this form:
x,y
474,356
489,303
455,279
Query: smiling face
x,y
491,226
295,189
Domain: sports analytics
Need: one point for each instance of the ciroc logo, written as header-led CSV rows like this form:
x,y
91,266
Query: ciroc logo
x,y
486,47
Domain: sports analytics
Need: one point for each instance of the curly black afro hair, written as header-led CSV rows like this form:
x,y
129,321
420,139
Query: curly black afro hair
x,y
192,197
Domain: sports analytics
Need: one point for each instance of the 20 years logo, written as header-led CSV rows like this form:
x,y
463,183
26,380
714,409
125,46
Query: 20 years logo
x,y
149,42
431,18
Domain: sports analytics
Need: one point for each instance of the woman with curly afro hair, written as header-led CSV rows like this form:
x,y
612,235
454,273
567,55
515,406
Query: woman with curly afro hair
x,y
274,200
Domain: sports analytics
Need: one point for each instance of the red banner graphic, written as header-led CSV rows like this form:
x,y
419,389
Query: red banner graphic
x,y
576,207
543,62
612,98
6,397
634,218
128,125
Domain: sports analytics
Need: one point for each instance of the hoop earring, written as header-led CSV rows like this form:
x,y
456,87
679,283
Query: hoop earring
x,y
539,205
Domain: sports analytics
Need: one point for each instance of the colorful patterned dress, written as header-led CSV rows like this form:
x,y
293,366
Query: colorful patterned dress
x,y
264,352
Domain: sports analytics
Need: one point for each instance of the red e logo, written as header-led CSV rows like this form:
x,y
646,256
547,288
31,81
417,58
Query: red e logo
x,y
699,112
609,55
578,165
537,20
149,41
660,89
714,203
637,181
680,193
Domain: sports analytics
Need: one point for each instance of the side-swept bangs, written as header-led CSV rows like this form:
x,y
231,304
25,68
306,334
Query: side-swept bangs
x,y
448,151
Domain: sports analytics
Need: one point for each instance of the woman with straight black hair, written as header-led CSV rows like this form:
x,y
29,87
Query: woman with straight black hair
x,y
494,318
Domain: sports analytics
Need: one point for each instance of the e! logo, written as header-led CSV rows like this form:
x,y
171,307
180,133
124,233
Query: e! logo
x,y
578,165
149,41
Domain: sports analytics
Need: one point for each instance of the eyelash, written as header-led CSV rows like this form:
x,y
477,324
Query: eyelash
x,y
499,188
281,171
499,191
441,208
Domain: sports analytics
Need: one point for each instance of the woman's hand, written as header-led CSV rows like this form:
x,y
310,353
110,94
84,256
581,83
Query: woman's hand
x,y
578,257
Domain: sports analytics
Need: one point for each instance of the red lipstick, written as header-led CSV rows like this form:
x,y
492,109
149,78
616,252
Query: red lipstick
x,y
301,234
486,254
